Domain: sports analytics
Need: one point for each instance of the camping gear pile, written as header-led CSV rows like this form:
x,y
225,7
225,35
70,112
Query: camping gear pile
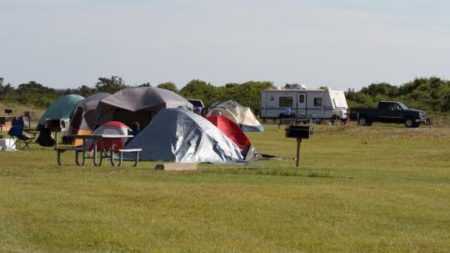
x,y
169,130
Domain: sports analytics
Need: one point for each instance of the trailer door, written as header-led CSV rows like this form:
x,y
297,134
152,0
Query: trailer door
x,y
301,105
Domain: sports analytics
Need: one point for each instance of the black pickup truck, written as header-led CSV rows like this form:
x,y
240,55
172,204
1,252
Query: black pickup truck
x,y
389,111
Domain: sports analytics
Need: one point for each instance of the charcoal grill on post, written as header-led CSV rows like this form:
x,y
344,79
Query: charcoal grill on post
x,y
298,132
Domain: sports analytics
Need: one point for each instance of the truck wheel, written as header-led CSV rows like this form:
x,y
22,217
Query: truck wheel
x,y
410,123
362,121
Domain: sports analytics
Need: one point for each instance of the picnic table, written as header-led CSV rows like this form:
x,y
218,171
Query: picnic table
x,y
100,151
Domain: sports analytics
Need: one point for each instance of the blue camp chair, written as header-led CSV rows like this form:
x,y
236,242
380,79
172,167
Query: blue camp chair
x,y
16,132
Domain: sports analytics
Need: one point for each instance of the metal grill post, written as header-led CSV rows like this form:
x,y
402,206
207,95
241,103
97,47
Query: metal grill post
x,y
299,140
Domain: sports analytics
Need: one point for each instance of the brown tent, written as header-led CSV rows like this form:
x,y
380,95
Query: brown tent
x,y
138,104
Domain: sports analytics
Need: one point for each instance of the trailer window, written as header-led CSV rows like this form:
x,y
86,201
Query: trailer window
x,y
317,101
301,98
285,102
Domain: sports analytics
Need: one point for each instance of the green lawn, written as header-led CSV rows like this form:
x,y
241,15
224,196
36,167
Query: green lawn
x,y
359,189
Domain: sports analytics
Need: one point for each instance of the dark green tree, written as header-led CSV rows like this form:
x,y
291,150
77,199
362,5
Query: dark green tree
x,y
200,90
169,86
110,85
33,87
147,84
85,91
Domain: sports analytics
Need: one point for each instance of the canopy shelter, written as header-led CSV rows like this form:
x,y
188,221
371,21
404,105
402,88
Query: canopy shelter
x,y
139,104
60,109
85,113
241,115
182,136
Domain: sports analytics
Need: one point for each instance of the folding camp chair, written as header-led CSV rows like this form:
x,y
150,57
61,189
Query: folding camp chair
x,y
22,141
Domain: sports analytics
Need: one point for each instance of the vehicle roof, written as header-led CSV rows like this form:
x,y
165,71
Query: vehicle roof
x,y
196,102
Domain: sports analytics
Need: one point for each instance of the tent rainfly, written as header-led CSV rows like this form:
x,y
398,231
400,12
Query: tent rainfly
x,y
139,104
182,136
232,131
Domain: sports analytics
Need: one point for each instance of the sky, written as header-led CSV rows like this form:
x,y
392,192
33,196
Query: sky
x,y
336,43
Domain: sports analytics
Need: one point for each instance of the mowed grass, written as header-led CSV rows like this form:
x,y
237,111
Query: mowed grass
x,y
359,189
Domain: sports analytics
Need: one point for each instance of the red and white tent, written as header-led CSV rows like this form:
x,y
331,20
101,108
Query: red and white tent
x,y
113,128
231,130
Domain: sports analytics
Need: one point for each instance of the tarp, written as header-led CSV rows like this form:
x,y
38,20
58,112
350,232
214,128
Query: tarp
x,y
139,104
241,115
85,113
182,136
60,109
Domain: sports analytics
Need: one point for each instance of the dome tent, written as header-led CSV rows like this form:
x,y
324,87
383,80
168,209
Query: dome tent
x,y
85,113
232,131
241,115
115,128
60,109
138,104
182,136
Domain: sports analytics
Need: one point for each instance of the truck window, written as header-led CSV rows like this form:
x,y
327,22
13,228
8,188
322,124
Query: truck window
x,y
285,102
394,107
317,101
383,106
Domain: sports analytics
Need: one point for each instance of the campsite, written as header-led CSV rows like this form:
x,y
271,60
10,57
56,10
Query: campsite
x,y
383,188
224,126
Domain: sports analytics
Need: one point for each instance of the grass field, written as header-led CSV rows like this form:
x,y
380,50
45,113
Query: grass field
x,y
359,189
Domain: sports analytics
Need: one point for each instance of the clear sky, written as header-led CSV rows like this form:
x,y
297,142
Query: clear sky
x,y
336,43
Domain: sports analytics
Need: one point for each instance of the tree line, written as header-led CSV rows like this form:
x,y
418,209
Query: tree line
x,y
432,94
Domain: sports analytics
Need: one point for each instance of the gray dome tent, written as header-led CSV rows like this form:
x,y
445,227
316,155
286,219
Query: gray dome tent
x,y
83,118
85,113
182,136
139,104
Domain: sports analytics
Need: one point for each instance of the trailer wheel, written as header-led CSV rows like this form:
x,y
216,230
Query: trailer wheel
x,y
362,121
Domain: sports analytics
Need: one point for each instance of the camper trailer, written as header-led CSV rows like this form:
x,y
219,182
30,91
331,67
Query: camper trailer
x,y
303,103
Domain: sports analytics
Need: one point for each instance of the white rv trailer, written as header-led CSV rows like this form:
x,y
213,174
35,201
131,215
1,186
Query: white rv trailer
x,y
307,104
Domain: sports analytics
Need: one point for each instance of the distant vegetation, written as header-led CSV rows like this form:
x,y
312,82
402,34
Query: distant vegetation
x,y
432,94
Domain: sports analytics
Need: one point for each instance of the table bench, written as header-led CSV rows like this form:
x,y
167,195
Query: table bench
x,y
136,152
77,150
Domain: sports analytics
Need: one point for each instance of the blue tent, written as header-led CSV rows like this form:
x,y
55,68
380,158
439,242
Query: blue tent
x,y
180,135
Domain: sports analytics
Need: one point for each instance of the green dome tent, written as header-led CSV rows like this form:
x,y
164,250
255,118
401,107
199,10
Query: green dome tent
x,y
61,108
